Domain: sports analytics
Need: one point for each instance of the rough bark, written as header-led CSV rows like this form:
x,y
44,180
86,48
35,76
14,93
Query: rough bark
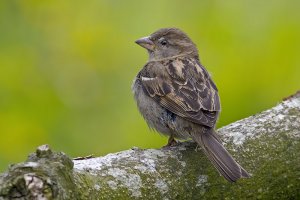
x,y
266,144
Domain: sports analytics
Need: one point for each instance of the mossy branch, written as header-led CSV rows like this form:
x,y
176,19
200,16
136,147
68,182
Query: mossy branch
x,y
267,145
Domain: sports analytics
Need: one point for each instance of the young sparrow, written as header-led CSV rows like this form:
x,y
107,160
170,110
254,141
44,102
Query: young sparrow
x,y
177,97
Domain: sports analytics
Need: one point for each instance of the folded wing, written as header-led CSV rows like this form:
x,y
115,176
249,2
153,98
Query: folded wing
x,y
186,90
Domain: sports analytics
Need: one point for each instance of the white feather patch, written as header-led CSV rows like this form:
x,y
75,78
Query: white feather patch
x,y
147,79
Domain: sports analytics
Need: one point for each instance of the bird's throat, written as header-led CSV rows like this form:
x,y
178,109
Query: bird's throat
x,y
188,54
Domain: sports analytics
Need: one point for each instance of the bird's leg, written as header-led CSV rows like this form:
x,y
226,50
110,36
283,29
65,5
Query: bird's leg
x,y
197,148
171,142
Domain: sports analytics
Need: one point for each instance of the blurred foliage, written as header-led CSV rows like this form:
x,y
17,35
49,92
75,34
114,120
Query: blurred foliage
x,y
66,67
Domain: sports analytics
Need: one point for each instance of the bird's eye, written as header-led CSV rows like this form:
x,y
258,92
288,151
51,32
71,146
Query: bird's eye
x,y
163,42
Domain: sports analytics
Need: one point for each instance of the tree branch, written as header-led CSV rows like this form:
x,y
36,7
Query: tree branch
x,y
266,144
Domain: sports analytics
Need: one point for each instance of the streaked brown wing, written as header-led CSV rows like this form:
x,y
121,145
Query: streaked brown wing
x,y
188,91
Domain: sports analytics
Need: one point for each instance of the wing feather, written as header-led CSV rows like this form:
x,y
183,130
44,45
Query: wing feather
x,y
187,91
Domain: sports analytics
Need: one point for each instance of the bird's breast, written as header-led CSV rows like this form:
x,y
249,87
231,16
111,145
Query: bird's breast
x,y
155,115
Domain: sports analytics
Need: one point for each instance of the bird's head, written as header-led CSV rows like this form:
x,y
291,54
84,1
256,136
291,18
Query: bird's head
x,y
168,43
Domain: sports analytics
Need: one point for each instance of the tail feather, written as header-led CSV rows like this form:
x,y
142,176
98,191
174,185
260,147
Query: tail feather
x,y
220,157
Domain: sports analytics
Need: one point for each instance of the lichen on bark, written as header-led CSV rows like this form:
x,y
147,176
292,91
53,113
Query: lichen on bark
x,y
266,144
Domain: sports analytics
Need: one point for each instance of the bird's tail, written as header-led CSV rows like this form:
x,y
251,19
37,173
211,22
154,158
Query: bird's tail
x,y
219,156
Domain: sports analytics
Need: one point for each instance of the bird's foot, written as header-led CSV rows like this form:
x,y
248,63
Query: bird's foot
x,y
197,148
171,142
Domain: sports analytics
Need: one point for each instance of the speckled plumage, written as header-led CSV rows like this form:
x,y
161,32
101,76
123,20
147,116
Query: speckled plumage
x,y
177,97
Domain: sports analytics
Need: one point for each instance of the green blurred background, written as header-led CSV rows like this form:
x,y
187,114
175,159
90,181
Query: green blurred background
x,y
66,67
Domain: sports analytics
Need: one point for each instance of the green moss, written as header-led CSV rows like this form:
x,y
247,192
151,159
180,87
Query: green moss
x,y
275,167
273,159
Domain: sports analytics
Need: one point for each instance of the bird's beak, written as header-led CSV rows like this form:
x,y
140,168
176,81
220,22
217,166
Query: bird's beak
x,y
146,42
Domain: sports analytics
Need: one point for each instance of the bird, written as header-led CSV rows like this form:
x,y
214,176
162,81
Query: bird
x,y
177,97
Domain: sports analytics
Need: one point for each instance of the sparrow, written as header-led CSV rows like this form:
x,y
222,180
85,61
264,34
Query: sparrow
x,y
177,97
